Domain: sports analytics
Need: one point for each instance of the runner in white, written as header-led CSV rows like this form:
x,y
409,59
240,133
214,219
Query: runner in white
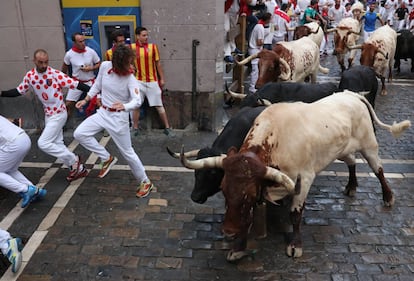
x,y
84,61
120,93
14,145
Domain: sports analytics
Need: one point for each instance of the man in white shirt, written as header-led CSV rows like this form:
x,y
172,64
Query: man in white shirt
x,y
84,62
336,13
256,45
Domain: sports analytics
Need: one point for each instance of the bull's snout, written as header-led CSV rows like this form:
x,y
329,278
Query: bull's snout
x,y
198,198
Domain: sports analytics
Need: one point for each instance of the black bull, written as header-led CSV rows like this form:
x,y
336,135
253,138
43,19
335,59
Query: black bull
x,y
208,181
404,48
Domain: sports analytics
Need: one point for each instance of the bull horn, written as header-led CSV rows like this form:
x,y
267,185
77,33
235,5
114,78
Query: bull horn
x,y
248,59
331,30
265,102
359,46
192,153
234,94
209,162
354,32
280,177
288,70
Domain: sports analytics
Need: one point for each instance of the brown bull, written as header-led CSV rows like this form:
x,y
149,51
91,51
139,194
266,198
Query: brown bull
x,y
293,142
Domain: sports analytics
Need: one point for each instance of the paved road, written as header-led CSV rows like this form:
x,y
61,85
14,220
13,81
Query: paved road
x,y
95,229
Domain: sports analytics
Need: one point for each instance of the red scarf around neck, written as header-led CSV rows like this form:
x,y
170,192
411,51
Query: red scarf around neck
x,y
77,50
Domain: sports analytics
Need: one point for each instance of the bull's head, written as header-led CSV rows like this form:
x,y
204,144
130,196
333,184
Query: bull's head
x,y
243,182
369,55
270,68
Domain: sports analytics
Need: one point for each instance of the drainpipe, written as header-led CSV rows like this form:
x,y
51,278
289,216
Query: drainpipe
x,y
194,80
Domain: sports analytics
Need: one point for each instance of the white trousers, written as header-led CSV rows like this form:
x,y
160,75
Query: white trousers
x,y
117,125
230,23
51,139
254,75
4,237
11,156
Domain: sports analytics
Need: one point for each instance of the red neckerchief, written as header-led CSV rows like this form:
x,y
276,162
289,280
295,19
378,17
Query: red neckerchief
x,y
77,50
282,14
121,73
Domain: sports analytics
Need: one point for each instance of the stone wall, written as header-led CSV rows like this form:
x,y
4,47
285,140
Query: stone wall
x,y
173,25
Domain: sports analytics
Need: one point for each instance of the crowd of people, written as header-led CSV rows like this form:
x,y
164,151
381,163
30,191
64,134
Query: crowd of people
x,y
113,91
285,15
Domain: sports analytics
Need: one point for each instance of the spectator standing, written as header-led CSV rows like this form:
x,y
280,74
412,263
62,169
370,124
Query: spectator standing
x,y
337,12
84,61
294,15
120,93
348,12
370,18
410,6
47,83
303,5
269,29
390,7
14,145
150,76
256,42
281,24
118,38
11,248
311,13
401,14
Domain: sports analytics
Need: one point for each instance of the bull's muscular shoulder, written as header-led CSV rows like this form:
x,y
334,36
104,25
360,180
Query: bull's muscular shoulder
x,y
280,50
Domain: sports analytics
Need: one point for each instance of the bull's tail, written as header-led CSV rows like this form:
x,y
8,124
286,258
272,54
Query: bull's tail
x,y
396,129
323,70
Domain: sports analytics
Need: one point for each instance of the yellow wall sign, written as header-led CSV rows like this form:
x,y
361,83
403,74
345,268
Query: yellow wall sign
x,y
99,3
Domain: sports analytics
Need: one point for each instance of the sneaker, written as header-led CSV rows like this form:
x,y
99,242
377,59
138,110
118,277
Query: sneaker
x,y
79,172
106,166
14,253
229,59
144,189
33,193
169,132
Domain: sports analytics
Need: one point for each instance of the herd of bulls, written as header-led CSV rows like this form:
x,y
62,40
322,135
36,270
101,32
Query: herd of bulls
x,y
287,132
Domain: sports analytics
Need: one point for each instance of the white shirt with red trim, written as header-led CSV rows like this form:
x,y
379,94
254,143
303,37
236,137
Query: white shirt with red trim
x,y
77,60
116,88
48,88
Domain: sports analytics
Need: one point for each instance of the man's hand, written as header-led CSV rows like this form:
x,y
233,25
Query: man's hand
x,y
118,106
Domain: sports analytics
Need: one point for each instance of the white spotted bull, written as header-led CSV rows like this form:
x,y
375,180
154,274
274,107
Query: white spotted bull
x,y
378,52
290,61
287,146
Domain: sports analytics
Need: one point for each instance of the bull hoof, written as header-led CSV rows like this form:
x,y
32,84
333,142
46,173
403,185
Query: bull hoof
x,y
350,191
233,256
389,203
294,252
